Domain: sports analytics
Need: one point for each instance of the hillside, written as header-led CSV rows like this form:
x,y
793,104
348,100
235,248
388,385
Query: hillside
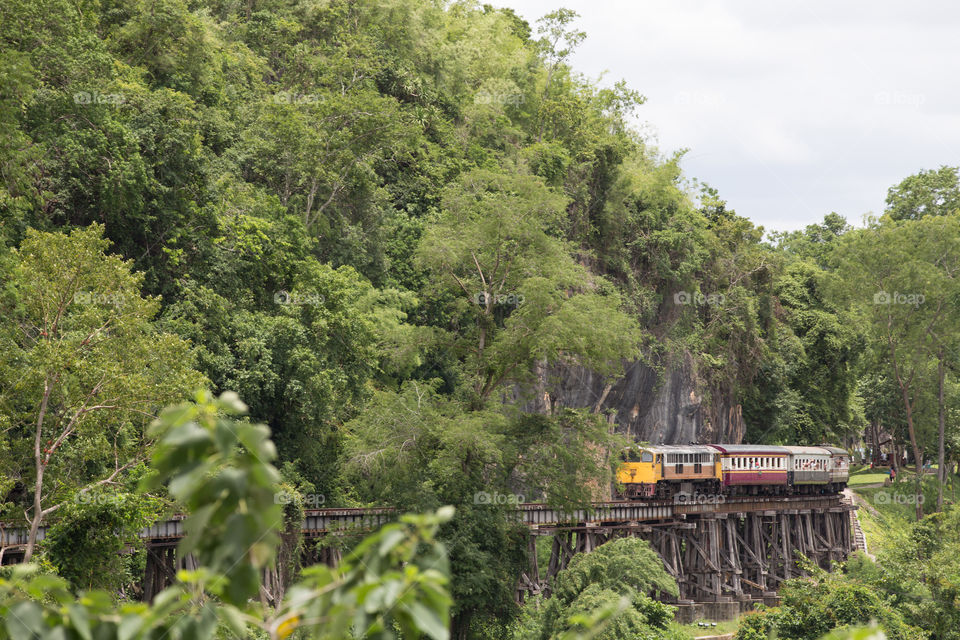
x,y
431,256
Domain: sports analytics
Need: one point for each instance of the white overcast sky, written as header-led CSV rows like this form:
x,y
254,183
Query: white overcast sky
x,y
791,109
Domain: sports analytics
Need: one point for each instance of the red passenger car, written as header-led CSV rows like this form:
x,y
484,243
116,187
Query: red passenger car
x,y
753,469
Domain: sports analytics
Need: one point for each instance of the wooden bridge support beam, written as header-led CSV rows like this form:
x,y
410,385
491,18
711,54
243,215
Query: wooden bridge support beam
x,y
163,563
713,556
742,548
160,571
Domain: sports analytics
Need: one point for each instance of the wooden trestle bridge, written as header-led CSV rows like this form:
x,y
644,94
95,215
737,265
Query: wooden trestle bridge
x,y
718,550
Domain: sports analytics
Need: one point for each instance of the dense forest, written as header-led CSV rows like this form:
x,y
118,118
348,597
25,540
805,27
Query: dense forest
x,y
434,259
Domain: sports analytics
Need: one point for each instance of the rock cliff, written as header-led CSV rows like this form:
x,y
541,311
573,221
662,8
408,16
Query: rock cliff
x,y
665,407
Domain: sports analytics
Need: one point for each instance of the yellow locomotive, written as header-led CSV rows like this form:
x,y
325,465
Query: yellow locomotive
x,y
660,471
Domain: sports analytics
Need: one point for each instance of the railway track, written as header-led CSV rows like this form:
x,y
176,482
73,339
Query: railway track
x,y
535,515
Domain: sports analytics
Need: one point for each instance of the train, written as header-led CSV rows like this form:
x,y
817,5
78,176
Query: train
x,y
667,471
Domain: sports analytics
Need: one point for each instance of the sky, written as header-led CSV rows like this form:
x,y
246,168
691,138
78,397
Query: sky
x,y
790,109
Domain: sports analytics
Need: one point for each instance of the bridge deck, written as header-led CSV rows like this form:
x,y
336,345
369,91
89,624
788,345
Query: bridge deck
x,y
535,515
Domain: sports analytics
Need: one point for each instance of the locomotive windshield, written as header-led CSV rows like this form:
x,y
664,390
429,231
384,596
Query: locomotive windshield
x,y
636,455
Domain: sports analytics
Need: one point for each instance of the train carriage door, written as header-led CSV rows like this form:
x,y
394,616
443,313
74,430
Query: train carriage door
x,y
697,464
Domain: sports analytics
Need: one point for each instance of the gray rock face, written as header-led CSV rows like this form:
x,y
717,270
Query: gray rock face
x,y
667,409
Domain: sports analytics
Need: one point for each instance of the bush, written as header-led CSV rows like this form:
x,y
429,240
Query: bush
x,y
605,589
95,544
812,607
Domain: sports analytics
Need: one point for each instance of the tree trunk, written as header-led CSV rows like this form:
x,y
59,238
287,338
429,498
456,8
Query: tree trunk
x,y
941,421
916,449
908,406
37,515
38,485
460,626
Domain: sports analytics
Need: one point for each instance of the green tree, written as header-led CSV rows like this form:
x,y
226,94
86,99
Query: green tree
x,y
299,339
83,367
919,572
815,241
814,606
95,542
929,193
621,574
557,42
822,372
932,193
515,292
902,277
417,450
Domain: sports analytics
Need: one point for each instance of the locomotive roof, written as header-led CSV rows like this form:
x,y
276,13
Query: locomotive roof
x,y
808,451
760,449
678,448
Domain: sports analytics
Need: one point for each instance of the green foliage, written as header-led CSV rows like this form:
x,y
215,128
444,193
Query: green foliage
x,y
394,227
929,193
613,582
303,356
627,564
363,151
562,456
219,470
813,607
820,346
918,571
900,278
858,633
756,626
83,366
520,297
395,580
95,543
417,450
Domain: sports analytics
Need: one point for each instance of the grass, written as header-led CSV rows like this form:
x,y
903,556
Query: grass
x,y
891,511
868,477
863,474
885,517
693,631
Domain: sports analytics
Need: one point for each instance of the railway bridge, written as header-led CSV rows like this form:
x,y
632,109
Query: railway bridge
x,y
718,549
